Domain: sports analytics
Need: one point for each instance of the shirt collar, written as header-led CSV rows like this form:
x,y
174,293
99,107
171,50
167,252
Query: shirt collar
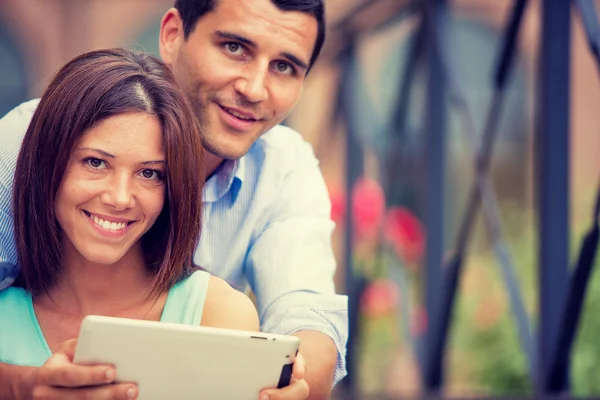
x,y
227,178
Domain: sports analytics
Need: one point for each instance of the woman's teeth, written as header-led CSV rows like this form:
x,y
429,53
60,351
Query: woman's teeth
x,y
111,226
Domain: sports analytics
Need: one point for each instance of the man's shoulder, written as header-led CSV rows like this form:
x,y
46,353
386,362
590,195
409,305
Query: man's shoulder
x,y
12,130
27,108
282,138
281,146
20,115
14,125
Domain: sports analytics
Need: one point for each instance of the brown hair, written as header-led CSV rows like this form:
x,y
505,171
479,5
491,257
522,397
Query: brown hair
x,y
88,89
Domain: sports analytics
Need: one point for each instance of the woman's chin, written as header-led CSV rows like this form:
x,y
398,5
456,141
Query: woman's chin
x,y
103,259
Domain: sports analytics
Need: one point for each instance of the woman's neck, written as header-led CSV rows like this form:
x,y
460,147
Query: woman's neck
x,y
85,288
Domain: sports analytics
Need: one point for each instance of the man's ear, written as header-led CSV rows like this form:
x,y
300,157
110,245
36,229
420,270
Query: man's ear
x,y
171,36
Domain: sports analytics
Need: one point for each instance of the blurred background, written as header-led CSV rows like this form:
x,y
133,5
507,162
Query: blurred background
x,y
455,290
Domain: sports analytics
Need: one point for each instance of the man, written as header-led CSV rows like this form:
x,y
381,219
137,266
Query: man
x,y
242,64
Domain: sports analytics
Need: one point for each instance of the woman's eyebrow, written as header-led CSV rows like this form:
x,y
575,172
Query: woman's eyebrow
x,y
155,162
104,153
108,155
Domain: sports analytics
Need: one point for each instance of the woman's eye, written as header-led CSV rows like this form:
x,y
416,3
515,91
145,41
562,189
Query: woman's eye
x,y
151,174
95,163
234,48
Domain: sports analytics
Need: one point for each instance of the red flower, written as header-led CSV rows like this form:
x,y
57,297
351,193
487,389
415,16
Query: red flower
x,y
380,298
368,207
406,233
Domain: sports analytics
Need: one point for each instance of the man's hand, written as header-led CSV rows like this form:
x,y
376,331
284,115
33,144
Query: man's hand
x,y
59,378
312,376
297,389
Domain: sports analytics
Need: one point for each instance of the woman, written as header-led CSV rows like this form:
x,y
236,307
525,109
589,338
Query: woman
x,y
107,203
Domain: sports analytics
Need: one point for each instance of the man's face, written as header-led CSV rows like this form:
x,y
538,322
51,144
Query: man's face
x,y
242,67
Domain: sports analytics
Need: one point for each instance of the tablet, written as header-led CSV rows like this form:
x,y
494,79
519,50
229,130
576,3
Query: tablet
x,y
175,361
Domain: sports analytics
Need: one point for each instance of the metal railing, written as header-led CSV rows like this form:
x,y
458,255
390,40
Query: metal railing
x,y
561,293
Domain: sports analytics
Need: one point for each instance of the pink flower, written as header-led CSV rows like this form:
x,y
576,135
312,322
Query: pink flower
x,y
368,207
406,233
380,298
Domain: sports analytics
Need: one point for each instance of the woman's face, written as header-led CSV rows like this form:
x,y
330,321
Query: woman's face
x,y
113,189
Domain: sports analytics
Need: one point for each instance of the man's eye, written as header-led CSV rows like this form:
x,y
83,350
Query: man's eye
x,y
284,67
234,48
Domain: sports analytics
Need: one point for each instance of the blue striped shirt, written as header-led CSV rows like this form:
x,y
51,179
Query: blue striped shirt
x,y
266,226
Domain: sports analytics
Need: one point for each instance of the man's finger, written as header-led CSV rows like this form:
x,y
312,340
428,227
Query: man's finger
x,y
118,391
299,369
296,390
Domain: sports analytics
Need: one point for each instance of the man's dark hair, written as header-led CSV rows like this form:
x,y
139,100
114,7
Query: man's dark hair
x,y
192,10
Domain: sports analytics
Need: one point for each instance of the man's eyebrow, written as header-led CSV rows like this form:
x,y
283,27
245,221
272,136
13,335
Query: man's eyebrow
x,y
104,153
295,60
236,37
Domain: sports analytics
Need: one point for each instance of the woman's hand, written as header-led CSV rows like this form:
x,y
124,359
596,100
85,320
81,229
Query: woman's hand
x,y
59,378
297,389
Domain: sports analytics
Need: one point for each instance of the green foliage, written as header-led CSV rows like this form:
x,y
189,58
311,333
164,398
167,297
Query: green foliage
x,y
586,349
498,365
484,352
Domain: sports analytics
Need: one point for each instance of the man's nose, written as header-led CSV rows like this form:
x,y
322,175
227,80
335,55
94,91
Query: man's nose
x,y
252,85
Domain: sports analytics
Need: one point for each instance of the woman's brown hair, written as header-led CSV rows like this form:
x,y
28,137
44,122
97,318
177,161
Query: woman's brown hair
x,y
88,89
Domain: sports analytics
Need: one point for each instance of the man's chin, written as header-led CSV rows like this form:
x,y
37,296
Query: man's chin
x,y
224,153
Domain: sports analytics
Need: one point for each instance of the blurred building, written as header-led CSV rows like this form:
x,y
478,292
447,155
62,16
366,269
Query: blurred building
x,y
38,36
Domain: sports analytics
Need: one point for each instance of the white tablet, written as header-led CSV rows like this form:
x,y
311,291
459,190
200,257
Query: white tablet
x,y
174,361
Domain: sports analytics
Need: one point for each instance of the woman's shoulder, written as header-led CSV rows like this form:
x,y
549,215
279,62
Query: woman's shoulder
x,y
15,306
12,297
226,307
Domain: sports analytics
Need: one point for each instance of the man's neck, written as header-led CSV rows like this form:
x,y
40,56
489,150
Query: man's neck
x,y
211,163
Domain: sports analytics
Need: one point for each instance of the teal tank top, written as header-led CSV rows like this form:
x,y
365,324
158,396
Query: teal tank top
x,y
21,338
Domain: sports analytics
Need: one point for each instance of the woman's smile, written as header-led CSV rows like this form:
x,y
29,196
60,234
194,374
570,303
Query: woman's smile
x,y
109,226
